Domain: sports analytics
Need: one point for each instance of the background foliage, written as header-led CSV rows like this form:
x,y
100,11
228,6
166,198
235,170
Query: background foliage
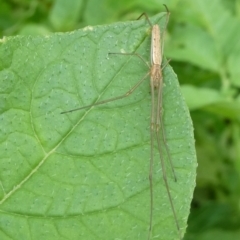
x,y
202,40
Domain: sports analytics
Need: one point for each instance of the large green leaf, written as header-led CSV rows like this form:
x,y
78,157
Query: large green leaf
x,y
84,175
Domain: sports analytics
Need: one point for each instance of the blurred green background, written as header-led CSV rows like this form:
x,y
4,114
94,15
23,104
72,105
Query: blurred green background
x,y
203,41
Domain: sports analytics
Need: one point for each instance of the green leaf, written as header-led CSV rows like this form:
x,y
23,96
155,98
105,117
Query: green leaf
x,y
34,29
65,14
208,37
228,109
84,175
205,97
212,101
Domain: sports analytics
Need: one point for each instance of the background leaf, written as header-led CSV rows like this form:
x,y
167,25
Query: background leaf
x,y
64,15
84,175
